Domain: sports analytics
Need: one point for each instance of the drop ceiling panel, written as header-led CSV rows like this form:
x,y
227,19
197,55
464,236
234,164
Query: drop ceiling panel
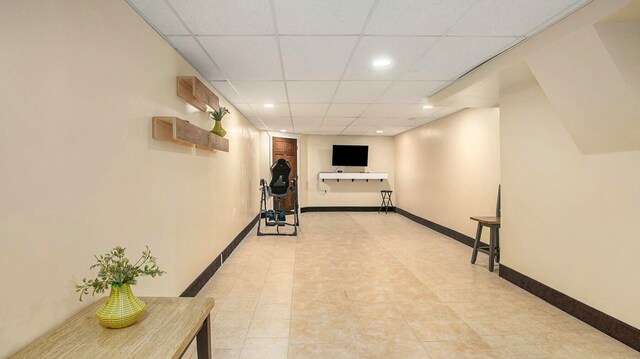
x,y
416,17
451,57
307,121
360,91
379,121
345,110
308,109
338,121
315,57
225,17
227,91
402,51
324,50
245,57
277,121
410,91
511,17
311,91
354,131
190,49
161,16
278,110
261,92
322,17
397,110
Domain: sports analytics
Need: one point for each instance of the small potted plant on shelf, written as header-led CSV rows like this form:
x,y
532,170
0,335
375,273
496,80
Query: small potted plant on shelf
x,y
217,116
116,272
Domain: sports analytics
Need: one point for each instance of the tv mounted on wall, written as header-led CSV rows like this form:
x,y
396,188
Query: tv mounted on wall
x,y
350,155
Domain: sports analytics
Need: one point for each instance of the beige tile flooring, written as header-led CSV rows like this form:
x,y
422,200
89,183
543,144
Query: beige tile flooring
x,y
368,285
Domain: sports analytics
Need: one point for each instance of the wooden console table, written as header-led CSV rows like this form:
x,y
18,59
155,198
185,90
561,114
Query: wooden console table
x,y
165,330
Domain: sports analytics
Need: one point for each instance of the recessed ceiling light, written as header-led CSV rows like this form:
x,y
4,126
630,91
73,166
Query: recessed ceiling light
x,y
283,130
268,105
381,62
379,131
426,107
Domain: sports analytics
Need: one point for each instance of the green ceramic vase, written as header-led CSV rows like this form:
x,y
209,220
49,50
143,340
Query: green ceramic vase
x,y
218,130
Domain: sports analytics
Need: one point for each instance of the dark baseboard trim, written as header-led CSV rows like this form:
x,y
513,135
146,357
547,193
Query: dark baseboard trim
x,y
603,322
343,209
212,268
462,238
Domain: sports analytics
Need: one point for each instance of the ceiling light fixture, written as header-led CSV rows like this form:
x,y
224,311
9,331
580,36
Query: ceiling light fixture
x,y
426,107
268,105
381,62
283,130
379,131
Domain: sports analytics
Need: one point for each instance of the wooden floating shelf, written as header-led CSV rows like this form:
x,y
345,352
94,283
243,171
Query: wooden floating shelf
x,y
182,132
192,90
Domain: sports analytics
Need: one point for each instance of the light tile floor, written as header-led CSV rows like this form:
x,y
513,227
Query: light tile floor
x,y
368,285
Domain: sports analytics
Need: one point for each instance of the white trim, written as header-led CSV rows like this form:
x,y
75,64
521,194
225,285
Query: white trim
x,y
295,136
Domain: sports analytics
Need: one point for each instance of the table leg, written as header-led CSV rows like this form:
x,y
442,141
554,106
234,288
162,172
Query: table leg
x,y
203,340
492,248
476,244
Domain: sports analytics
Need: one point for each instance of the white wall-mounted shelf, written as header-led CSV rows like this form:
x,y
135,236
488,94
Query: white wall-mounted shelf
x,y
353,176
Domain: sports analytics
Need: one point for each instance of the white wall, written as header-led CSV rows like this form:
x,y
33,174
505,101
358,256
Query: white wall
x,y
317,155
80,172
449,169
569,220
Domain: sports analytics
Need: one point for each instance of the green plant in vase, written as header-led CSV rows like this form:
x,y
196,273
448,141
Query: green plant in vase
x,y
217,116
115,271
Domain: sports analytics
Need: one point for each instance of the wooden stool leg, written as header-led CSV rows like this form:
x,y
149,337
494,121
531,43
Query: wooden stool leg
x,y
476,244
498,244
492,248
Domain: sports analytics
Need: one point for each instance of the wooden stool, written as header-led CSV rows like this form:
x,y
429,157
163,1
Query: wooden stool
x,y
386,200
493,249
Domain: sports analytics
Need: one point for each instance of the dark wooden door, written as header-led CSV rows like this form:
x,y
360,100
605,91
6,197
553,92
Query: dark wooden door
x,y
286,148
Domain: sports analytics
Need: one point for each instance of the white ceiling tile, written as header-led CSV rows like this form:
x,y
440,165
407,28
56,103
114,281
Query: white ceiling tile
x,y
315,57
311,91
410,91
338,121
257,122
193,53
307,121
261,92
308,109
332,128
276,121
379,121
321,17
160,15
360,91
280,128
245,57
278,110
345,110
226,17
511,17
227,91
416,17
451,57
402,51
354,131
397,110
245,110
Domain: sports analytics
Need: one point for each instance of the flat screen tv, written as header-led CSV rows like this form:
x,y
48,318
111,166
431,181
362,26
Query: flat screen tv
x,y
350,155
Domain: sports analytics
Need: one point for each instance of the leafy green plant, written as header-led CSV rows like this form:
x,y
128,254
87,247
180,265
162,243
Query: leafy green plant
x,y
116,270
217,115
